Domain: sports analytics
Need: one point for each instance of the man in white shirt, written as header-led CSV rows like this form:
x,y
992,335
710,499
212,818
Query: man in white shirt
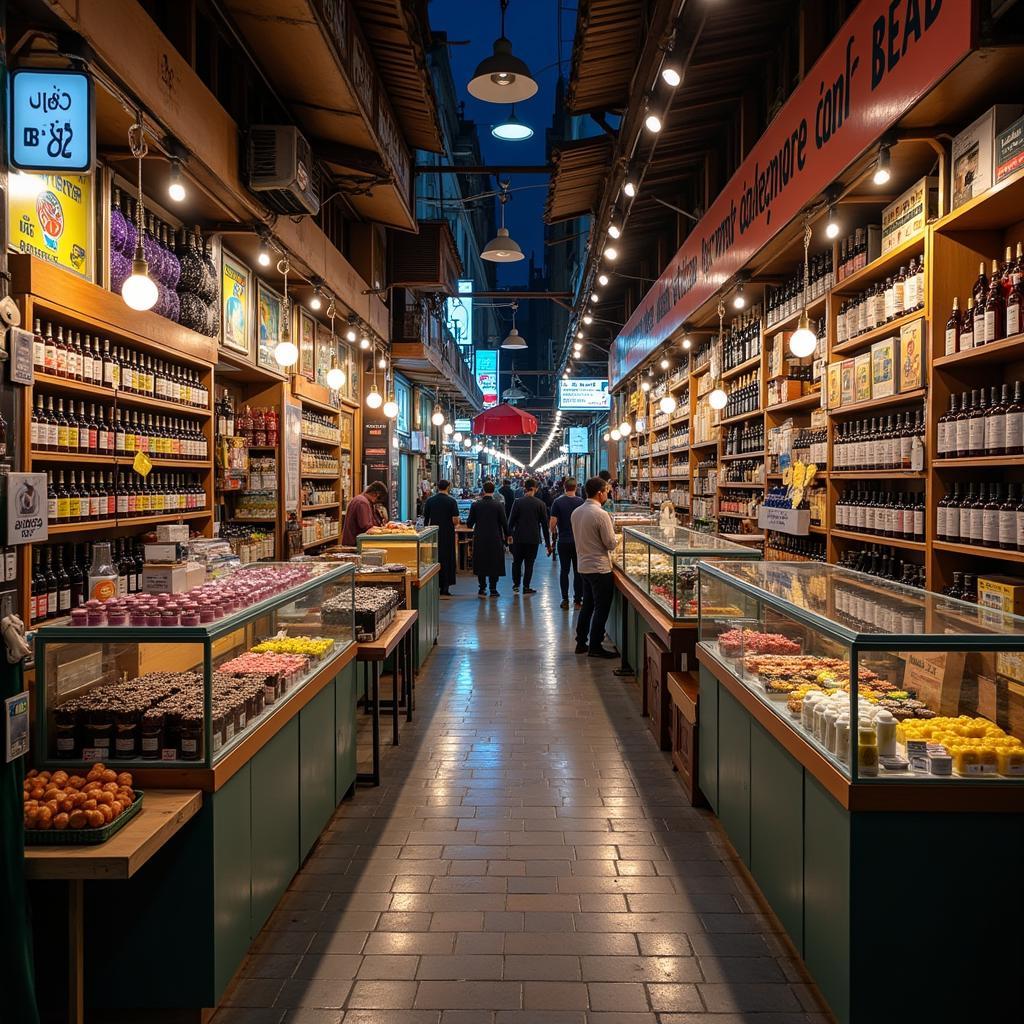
x,y
595,540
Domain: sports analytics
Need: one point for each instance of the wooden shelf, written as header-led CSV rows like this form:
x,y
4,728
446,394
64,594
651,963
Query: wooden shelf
x,y
320,476
981,461
321,441
808,401
742,416
750,364
816,528
703,444
977,551
876,474
319,508
904,398
814,306
877,333
874,538
892,260
115,461
111,396
745,455
997,208
1006,351
744,486
326,540
253,519
115,524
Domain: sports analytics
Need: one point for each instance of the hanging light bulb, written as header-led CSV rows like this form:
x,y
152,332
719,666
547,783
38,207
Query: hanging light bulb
x,y
502,77
739,300
718,399
390,407
447,429
667,404
514,340
351,334
503,248
467,443
565,376
616,435
832,225
335,375
645,386
625,428
882,173
364,342
457,437
606,437
630,188
286,352
373,398
264,254
176,183
588,319
437,416
611,252
803,341
602,279
686,344
653,123
664,364
512,129
579,334
382,363
594,297
139,291
315,302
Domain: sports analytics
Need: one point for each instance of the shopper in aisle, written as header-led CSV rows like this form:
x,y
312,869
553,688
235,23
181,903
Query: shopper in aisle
x,y
364,511
595,540
610,498
490,526
529,520
442,510
562,509
507,494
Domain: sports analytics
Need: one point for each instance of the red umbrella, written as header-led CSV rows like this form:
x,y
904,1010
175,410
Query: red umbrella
x,y
504,421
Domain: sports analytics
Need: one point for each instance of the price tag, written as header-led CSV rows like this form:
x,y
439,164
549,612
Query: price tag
x,y
16,726
142,464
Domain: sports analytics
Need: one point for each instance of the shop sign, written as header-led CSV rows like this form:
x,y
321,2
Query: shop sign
x,y
883,60
16,726
393,146
578,441
334,15
292,455
376,453
487,375
458,313
50,217
584,394
51,121
27,521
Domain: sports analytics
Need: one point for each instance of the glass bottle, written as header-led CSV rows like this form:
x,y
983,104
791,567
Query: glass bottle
x,y
953,329
995,308
102,582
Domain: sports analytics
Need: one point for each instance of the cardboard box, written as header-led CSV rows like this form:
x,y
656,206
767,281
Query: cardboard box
x,y
974,152
862,377
1003,593
907,216
834,386
911,356
164,554
783,390
172,533
172,579
847,382
777,354
883,368
1010,150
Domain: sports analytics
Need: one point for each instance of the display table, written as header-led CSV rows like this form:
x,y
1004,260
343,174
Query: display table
x,y
163,814
395,640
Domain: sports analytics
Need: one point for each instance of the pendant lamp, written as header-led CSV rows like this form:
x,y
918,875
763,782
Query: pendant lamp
x,y
503,248
718,399
803,341
502,77
139,291
512,129
286,352
514,340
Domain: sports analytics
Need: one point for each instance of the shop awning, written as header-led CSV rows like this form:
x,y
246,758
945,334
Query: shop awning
x,y
609,37
581,167
504,421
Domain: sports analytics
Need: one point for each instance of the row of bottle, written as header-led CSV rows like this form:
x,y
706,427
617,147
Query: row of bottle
x,y
105,496
811,446
854,254
882,442
60,575
982,513
743,342
739,503
897,614
701,354
743,471
784,547
977,424
993,309
744,394
733,524
318,494
78,358
789,298
741,440
316,460
885,513
320,426
884,563
964,587
900,293
102,431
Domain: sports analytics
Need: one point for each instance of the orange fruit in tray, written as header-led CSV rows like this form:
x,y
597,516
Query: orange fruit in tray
x,y
62,801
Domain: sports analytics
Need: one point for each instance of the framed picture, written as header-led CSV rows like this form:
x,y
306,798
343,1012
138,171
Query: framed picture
x,y
326,345
236,308
268,325
346,430
355,375
307,344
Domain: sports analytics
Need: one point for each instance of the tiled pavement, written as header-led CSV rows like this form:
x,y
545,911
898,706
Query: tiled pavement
x,y
529,859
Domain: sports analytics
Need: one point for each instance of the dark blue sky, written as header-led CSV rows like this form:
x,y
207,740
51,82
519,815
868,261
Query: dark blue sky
x,y
532,26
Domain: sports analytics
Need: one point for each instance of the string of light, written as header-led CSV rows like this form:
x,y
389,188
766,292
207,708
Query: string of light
x,y
548,442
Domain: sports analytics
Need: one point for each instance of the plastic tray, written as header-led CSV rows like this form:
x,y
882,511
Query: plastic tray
x,y
83,836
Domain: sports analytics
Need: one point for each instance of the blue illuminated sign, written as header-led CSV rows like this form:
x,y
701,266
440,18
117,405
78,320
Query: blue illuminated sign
x,y
578,441
51,121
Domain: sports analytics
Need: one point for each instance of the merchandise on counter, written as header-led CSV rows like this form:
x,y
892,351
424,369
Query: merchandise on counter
x,y
59,801
736,642
374,610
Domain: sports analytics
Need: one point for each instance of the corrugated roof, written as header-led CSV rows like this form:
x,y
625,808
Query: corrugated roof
x,y
578,177
607,45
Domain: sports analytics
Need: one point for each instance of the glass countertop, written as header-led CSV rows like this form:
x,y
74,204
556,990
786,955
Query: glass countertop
x,y
681,541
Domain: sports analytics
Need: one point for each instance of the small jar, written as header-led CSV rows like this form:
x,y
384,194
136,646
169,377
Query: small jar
x,y
162,599
95,616
117,616
885,730
153,617
867,750
99,731
807,709
206,613
191,737
151,735
190,615
169,615
65,723
79,617
126,735
831,715
137,617
843,738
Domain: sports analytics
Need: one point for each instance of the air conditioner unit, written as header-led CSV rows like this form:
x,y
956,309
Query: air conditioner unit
x,y
281,169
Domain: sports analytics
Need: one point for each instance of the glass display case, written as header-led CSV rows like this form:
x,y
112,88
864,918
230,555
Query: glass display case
x,y
416,549
939,683
663,563
180,680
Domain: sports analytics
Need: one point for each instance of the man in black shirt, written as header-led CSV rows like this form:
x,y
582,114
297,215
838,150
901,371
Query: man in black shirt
x,y
528,521
507,495
562,509
442,510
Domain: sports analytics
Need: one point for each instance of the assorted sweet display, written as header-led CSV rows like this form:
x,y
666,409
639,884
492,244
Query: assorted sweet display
x,y
735,643
59,801
316,648
394,529
374,609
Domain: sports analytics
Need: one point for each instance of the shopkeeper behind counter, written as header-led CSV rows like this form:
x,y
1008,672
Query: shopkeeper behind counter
x,y
364,510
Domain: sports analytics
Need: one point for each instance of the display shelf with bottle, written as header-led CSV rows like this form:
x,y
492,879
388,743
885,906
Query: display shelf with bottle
x,y
321,458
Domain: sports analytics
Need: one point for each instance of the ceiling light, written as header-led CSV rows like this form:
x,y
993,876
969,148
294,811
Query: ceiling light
x,y
686,344
390,408
382,363
447,429
437,417
467,443
588,319
803,341
335,378
502,77
364,342
832,225
616,435
625,428
512,129
882,175
653,123
739,300
614,230
176,184
286,353
671,75
457,437
664,364
514,340
565,376
502,249
602,279
351,334
579,334
611,252
718,399
630,188
139,291
373,397
594,297
315,302
645,387
667,404
606,437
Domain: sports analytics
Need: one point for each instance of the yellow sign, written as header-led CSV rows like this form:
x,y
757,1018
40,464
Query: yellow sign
x,y
51,217
142,465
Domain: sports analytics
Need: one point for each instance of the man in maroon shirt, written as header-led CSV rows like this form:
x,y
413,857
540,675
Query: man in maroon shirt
x,y
361,513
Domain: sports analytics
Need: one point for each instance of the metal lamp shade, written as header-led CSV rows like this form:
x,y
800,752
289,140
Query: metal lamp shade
x,y
502,249
514,340
502,77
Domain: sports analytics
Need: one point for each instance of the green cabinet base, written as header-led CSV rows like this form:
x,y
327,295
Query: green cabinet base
x,y
897,916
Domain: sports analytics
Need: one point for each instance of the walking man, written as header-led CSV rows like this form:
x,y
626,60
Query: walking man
x,y
595,540
507,494
562,509
490,526
528,521
442,510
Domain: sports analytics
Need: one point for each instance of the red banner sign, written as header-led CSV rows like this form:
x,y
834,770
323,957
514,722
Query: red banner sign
x,y
887,55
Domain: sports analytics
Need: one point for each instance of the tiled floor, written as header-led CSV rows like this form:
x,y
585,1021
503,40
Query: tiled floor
x,y
529,859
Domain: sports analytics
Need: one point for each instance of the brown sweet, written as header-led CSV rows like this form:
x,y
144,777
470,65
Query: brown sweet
x,y
63,801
